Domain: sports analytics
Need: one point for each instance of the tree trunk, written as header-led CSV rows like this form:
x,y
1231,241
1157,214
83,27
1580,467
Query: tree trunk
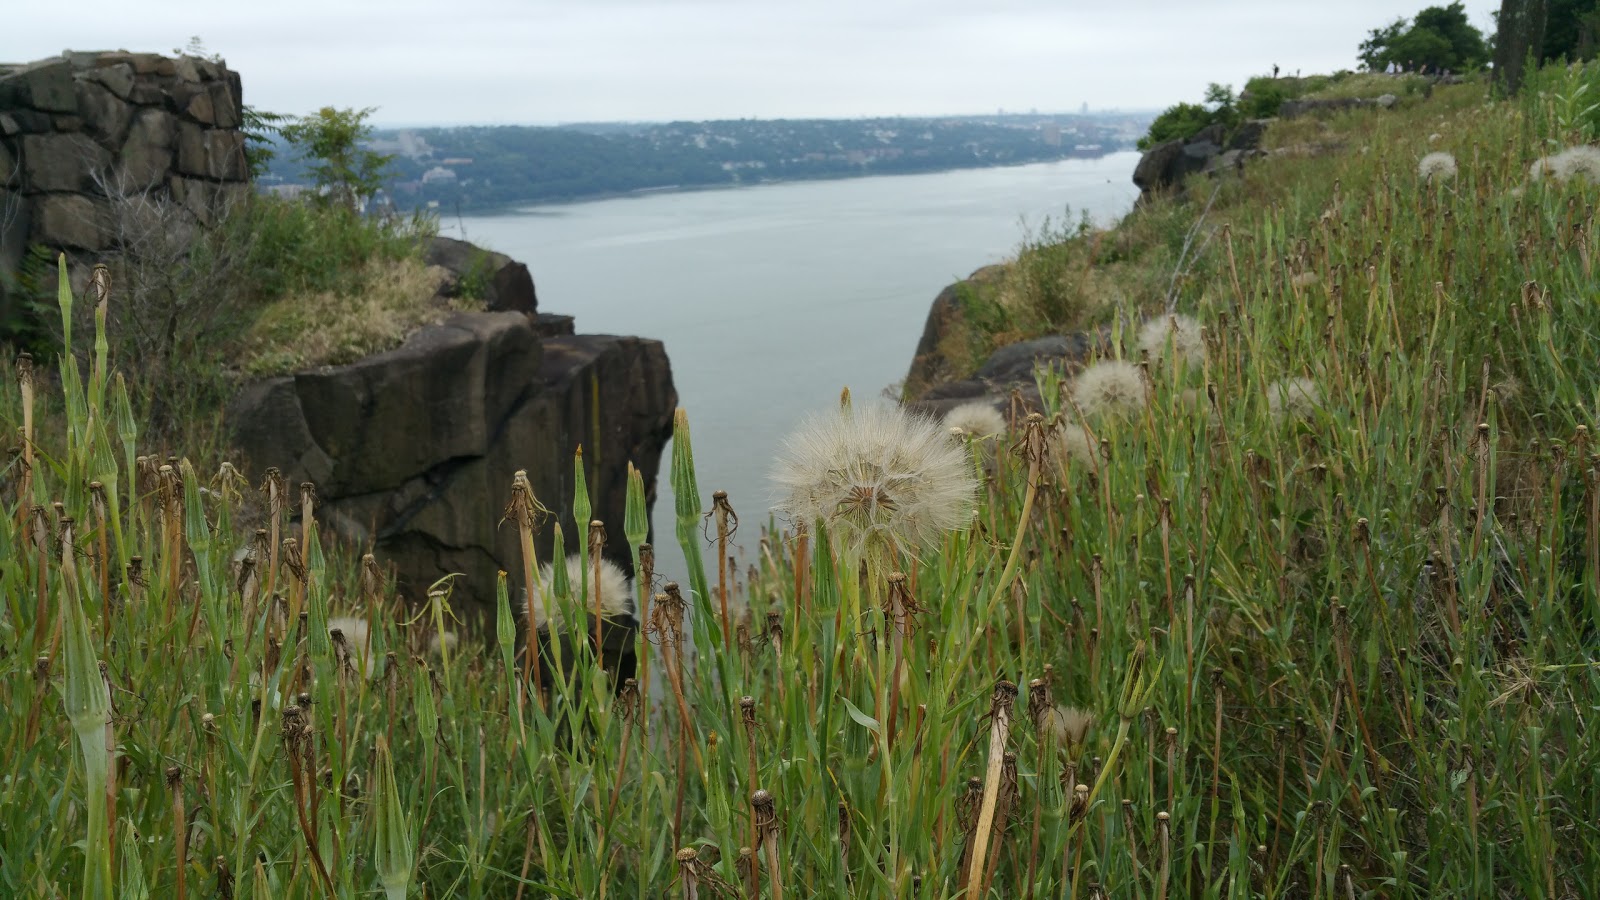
x,y
1520,37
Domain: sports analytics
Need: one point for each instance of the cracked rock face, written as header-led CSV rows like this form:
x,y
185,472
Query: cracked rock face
x,y
88,138
413,451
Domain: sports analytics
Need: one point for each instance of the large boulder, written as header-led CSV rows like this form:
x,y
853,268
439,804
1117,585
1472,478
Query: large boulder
x,y
1212,150
70,222
413,451
62,162
147,154
1016,363
45,86
213,153
504,283
1010,371
1154,170
10,172
1249,134
945,324
1166,165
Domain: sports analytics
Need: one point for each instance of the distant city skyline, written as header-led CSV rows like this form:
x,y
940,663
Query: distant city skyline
x,y
544,62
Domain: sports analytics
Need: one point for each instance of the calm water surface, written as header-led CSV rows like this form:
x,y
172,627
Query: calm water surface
x,y
771,299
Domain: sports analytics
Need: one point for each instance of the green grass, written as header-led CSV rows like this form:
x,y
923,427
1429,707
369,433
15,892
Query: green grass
x,y
329,286
1366,86
1344,653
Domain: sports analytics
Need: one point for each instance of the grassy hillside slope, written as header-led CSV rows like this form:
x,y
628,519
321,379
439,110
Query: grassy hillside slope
x,y
1304,606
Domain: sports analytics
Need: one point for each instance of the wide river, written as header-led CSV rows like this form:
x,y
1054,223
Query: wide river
x,y
771,299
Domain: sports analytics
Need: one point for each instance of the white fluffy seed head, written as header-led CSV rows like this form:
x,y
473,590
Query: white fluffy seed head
x,y
976,419
439,643
1068,726
876,476
1580,163
1111,387
1074,448
616,595
1173,336
1293,398
357,639
1437,166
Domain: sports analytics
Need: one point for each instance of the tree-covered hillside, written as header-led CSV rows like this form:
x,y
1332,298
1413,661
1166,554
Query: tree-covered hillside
x,y
477,167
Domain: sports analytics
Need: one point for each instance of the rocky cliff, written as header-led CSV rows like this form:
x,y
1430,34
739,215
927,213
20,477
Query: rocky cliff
x,y
85,136
935,383
411,451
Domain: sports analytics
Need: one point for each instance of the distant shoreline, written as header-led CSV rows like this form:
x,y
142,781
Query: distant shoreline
x,y
511,207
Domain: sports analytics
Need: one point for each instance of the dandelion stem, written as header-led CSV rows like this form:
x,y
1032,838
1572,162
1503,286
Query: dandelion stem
x,y
1005,693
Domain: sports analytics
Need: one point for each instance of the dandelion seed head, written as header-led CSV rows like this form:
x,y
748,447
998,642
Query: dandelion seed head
x,y
1305,279
439,643
1437,166
1111,387
1197,403
616,596
1174,334
1293,398
876,475
358,639
977,419
1077,447
1508,389
1580,163
1068,725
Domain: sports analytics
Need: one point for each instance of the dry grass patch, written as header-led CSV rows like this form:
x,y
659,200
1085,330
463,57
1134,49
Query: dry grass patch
x,y
327,328
1369,85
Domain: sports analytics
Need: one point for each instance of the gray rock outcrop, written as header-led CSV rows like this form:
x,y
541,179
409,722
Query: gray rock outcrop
x,y
504,283
83,136
937,382
412,451
1167,165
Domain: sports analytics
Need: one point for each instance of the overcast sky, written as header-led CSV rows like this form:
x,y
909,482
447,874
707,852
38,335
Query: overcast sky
x,y
543,62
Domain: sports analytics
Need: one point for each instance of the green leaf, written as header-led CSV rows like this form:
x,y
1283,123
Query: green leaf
x,y
862,719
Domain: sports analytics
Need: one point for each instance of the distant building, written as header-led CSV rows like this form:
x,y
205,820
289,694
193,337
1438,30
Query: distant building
x,y
406,143
456,161
439,175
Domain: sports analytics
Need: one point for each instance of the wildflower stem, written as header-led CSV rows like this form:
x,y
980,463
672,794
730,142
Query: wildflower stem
x,y
999,732
1006,575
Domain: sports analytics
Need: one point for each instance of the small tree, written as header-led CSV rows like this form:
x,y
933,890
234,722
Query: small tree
x,y
259,128
1185,120
331,139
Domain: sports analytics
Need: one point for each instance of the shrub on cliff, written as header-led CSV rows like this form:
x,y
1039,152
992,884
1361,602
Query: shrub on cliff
x,y
1184,120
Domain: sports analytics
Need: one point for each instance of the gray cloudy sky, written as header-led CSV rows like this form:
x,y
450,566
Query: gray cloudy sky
x,y
547,61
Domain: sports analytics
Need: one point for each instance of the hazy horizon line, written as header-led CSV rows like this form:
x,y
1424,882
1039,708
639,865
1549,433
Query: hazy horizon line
x,y
571,123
